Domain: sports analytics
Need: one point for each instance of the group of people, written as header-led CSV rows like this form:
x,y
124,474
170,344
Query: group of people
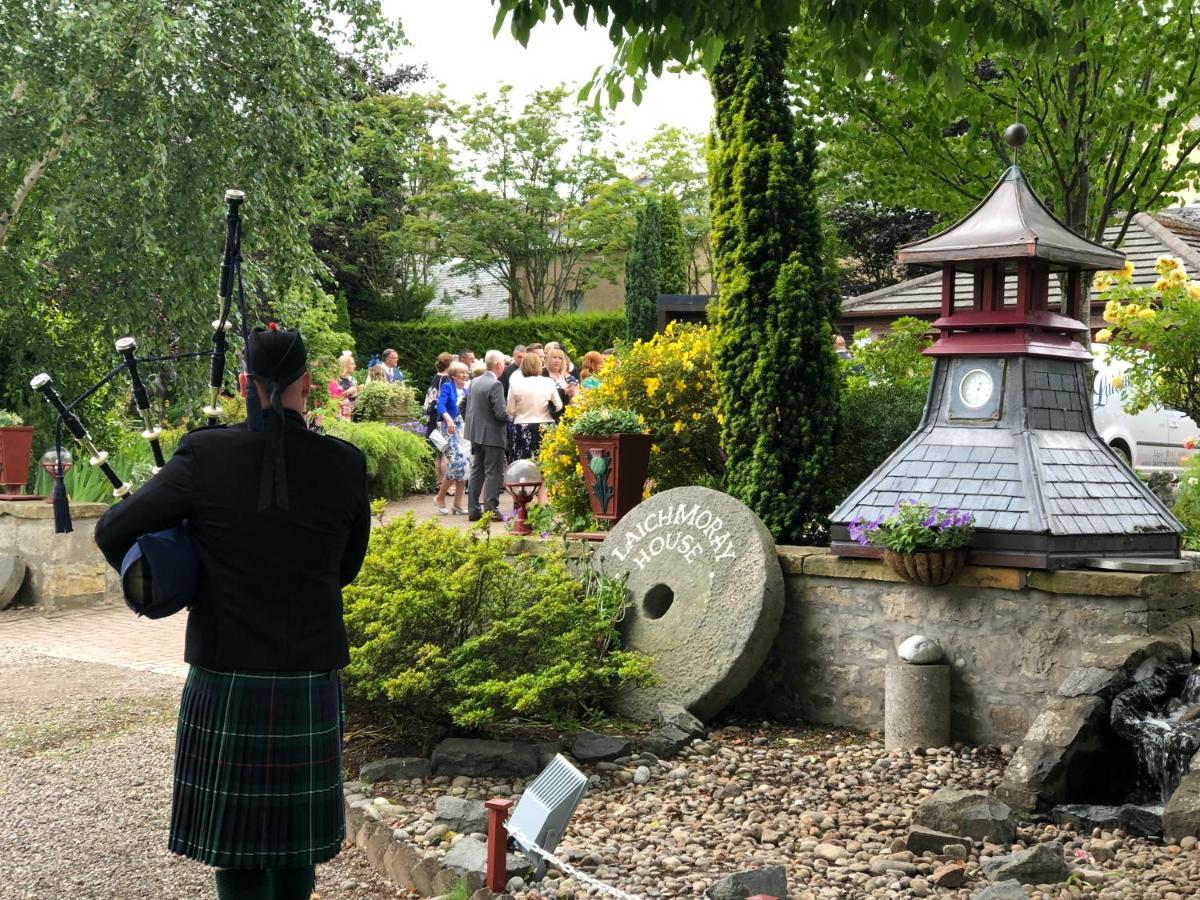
x,y
487,413
345,388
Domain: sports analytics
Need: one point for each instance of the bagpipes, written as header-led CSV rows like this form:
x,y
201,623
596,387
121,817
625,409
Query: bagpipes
x,y
126,347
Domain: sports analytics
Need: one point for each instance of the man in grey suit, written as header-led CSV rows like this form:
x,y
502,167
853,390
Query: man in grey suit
x,y
486,427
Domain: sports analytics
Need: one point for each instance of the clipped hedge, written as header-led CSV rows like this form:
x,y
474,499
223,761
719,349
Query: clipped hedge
x,y
419,343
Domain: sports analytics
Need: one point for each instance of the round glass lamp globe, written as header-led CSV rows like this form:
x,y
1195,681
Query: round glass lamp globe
x,y
523,471
52,458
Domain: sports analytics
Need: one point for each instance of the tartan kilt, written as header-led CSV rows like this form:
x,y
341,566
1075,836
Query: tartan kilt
x,y
258,769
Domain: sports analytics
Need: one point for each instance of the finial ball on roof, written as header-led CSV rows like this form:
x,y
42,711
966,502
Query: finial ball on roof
x,y
1016,134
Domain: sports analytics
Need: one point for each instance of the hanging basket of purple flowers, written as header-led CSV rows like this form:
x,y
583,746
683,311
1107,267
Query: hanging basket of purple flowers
x,y
922,544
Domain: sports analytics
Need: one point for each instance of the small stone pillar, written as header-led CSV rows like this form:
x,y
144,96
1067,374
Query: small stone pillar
x,y
916,706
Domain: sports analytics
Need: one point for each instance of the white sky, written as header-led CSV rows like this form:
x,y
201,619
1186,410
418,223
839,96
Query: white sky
x,y
454,38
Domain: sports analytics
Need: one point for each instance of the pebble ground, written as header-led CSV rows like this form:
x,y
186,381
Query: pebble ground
x,y
831,808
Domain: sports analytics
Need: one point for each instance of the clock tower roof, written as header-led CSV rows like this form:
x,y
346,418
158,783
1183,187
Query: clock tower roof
x,y
1011,223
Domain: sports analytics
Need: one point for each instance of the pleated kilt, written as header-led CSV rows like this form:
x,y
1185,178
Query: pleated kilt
x,y
258,769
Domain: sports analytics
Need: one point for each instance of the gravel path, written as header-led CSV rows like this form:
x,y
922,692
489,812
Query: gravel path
x,y
85,788
831,808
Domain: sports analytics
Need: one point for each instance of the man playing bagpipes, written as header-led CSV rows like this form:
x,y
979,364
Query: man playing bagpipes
x,y
278,518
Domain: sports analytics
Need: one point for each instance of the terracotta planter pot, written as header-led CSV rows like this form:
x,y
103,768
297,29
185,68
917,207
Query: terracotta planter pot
x,y
615,467
15,444
926,567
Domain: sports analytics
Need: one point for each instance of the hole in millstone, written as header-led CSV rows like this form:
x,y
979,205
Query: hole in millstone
x,y
657,601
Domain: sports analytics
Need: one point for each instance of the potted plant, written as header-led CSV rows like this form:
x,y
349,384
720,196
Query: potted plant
x,y
614,450
16,440
922,544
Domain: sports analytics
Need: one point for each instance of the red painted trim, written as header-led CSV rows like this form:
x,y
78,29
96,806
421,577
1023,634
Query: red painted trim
x,y
948,277
497,845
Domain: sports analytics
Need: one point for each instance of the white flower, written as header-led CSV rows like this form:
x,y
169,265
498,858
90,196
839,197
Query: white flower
x,y
1192,482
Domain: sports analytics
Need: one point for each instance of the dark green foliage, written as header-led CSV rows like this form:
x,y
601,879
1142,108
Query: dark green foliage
x,y
776,370
674,278
876,419
643,272
419,343
867,235
450,628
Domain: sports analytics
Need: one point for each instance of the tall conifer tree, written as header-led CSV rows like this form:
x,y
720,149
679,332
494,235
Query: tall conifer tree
x,y
643,272
776,368
674,249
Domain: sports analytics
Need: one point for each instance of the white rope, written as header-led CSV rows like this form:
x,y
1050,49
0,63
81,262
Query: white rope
x,y
565,866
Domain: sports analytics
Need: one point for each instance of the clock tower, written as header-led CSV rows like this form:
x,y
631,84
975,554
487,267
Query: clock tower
x,y
1007,433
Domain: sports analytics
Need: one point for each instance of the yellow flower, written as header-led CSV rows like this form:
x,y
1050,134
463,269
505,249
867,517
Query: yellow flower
x,y
1102,281
1147,314
679,385
1111,311
654,448
1127,272
1103,336
1165,264
1118,381
1161,285
564,459
1177,277
578,470
1193,290
652,385
678,426
670,398
695,417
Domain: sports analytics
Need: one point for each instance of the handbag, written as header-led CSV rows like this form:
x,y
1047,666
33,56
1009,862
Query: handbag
x,y
439,440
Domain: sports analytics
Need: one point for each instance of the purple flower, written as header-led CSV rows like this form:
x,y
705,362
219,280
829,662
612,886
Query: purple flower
x,y
545,534
931,520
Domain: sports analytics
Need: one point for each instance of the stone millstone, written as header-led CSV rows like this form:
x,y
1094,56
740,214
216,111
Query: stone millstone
x,y
706,594
12,573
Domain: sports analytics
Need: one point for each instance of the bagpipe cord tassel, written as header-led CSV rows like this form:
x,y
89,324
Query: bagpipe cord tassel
x,y
58,496
274,471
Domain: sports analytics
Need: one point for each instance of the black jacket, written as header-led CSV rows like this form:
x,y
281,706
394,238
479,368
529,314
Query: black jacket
x,y
270,595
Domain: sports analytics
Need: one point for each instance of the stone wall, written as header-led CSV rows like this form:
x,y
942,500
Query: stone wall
x,y
63,569
1010,636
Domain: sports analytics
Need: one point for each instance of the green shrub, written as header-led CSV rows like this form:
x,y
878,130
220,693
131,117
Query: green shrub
x,y
608,420
399,462
1187,504
379,401
419,343
10,419
448,628
131,458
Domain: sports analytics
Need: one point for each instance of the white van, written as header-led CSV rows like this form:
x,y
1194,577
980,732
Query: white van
x,y
1156,439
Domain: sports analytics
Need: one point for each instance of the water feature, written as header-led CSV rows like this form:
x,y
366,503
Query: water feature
x,y
1153,733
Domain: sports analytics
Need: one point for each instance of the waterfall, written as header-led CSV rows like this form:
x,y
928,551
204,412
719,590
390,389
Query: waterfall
x,y
1160,717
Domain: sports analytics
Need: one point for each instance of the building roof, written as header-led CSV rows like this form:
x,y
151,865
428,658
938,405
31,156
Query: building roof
x,y
467,295
1010,223
1172,232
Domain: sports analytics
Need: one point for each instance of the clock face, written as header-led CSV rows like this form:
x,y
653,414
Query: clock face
x,y
975,389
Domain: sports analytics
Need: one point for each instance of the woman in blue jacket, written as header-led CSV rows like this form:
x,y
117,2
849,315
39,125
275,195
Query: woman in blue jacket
x,y
450,423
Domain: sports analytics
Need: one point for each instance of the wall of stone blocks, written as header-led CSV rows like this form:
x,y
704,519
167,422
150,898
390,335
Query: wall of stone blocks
x,y
63,569
1010,637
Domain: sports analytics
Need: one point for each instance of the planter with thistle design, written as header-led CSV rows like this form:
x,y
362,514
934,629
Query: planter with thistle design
x,y
615,467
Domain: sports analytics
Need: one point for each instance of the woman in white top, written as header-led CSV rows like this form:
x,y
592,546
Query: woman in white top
x,y
530,401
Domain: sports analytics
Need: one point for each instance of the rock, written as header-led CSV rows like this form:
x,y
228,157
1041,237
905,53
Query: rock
x,y
1004,890
927,840
1093,680
676,716
641,775
437,832
830,852
463,816
1040,864
12,574
590,747
469,857
1181,816
665,741
395,768
949,876
515,885
1084,817
1144,821
706,593
771,881
884,864
973,814
920,650
487,759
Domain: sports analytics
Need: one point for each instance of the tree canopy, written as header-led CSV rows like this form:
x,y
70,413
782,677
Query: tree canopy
x,y
121,124
857,35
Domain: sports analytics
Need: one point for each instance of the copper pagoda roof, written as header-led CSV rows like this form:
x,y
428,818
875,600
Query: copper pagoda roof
x,y
1011,223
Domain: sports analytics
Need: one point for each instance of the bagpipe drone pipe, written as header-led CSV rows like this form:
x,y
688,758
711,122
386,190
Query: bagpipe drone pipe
x,y
126,348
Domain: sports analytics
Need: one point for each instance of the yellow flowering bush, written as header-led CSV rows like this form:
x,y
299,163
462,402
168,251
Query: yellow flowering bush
x,y
1156,330
668,382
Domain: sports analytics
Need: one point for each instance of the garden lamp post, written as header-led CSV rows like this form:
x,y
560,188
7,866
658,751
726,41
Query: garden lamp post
x,y
523,480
